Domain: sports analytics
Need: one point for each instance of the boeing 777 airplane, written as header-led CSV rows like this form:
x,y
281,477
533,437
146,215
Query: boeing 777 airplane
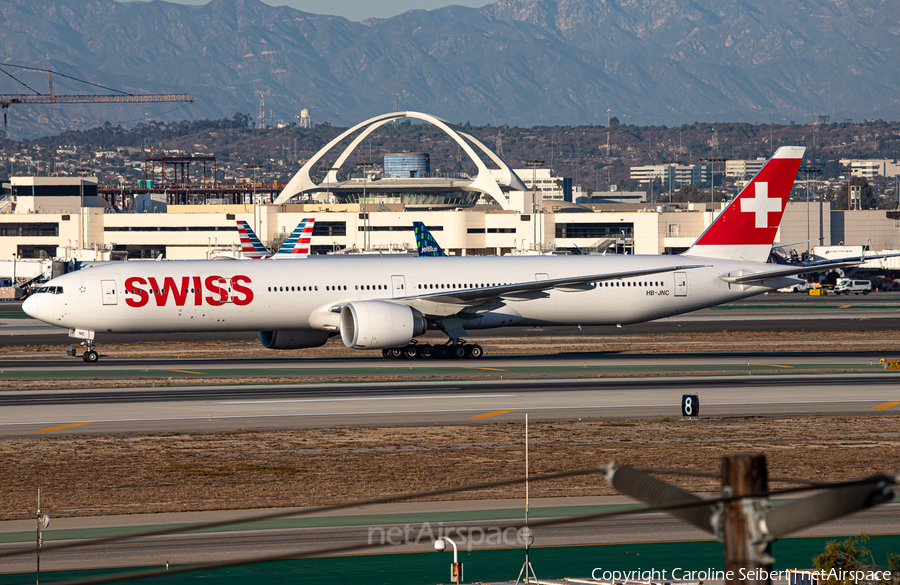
x,y
385,303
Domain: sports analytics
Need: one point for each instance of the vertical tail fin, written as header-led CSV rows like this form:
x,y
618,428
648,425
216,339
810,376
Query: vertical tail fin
x,y
297,244
425,242
746,228
251,247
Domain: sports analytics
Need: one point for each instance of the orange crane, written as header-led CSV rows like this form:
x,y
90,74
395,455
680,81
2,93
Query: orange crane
x,y
8,99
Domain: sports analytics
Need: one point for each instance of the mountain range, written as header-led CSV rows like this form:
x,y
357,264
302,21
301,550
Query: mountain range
x,y
517,62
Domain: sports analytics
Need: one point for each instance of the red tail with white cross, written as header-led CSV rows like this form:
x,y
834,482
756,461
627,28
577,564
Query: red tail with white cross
x,y
746,229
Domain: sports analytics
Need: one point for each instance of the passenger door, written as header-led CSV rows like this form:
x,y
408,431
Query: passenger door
x,y
680,284
109,292
398,286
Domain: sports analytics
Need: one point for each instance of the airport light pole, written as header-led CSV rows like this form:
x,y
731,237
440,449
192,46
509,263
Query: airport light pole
x,y
712,178
15,257
808,170
253,186
82,170
328,171
367,239
534,164
670,176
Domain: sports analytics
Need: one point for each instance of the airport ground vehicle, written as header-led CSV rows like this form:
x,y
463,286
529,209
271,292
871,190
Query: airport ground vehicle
x,y
799,287
846,286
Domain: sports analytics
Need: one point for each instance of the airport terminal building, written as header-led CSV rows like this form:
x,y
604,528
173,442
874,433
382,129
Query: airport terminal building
x,y
205,231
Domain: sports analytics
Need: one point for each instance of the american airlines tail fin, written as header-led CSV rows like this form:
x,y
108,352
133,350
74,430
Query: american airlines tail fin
x,y
251,247
297,244
425,242
746,228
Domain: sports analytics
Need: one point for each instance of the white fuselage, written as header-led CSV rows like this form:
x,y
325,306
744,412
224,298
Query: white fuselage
x,y
265,295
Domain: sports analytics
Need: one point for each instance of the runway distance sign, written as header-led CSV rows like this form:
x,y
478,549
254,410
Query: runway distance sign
x,y
690,405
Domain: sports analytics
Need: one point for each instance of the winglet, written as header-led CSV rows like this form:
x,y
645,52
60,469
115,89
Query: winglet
x,y
746,228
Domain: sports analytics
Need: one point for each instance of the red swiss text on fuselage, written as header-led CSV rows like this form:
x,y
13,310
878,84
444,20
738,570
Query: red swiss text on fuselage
x,y
139,291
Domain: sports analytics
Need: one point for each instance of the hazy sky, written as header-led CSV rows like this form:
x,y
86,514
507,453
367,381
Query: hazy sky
x,y
360,9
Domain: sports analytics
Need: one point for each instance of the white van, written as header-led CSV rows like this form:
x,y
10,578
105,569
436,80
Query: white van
x,y
846,286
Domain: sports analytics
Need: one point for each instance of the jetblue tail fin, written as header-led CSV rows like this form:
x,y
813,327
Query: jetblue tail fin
x,y
425,242
297,244
746,228
251,247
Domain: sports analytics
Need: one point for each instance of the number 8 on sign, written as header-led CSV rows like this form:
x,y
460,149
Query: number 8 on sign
x,y
690,405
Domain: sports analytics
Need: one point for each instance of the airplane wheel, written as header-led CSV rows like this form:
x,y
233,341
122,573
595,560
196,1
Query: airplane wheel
x,y
458,352
90,357
442,352
474,352
386,353
396,352
411,352
426,352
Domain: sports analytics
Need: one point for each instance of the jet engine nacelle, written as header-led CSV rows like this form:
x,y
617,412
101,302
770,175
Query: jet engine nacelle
x,y
293,339
379,324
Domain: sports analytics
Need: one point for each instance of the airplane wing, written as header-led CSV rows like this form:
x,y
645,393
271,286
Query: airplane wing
x,y
821,266
445,303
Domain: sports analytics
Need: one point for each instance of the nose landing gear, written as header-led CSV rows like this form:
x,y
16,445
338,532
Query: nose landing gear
x,y
90,356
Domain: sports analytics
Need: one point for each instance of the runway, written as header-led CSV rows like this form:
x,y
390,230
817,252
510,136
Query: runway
x,y
220,408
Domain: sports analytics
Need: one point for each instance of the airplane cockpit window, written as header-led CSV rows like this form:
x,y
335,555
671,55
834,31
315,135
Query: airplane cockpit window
x,y
53,290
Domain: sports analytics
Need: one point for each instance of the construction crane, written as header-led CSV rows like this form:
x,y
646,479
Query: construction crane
x,y
8,99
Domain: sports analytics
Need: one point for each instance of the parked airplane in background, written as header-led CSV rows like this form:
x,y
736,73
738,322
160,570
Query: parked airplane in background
x,y
295,246
386,302
251,247
425,242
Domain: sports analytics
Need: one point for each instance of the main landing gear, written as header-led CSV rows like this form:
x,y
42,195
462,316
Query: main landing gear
x,y
454,349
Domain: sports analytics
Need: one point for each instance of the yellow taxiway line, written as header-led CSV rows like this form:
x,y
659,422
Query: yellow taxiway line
x,y
186,372
773,365
886,405
68,426
495,413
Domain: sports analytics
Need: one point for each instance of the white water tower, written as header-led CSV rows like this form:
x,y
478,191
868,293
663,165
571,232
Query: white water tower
x,y
305,122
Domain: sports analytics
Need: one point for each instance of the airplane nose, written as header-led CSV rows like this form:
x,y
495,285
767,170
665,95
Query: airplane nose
x,y
31,306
